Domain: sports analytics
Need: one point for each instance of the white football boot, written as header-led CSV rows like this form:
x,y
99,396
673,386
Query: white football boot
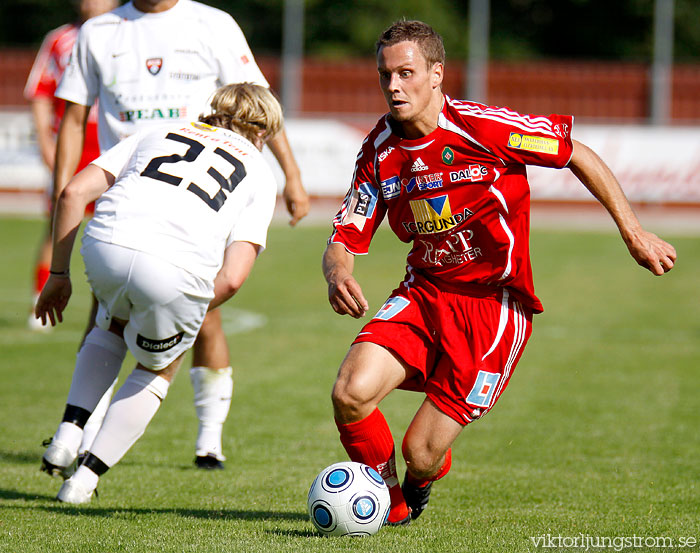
x,y
59,460
74,493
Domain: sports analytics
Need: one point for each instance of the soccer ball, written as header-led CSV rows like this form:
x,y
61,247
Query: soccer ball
x,y
348,499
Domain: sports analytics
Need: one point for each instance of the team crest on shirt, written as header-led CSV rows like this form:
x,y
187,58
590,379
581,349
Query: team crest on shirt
x,y
561,130
448,156
154,65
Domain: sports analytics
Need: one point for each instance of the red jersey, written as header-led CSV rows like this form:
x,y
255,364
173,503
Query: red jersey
x,y
459,194
46,73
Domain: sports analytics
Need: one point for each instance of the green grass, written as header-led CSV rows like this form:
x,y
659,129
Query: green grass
x,y
597,435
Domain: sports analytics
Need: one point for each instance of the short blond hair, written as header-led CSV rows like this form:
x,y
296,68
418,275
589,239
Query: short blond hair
x,y
247,109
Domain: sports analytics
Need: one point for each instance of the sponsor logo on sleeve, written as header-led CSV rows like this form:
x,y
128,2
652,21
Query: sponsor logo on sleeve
x,y
154,65
362,204
155,346
473,173
531,143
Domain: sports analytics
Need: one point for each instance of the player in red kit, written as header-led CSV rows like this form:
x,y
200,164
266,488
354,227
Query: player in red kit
x,y
450,178
47,111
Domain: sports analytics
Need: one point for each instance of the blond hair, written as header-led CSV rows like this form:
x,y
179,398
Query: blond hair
x,y
247,109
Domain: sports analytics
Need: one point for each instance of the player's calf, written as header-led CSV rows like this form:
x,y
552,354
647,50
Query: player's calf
x,y
416,490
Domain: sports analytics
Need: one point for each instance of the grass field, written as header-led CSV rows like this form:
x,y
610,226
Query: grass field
x,y
597,436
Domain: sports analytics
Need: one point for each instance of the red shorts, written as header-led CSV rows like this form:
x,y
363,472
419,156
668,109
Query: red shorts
x,y
464,345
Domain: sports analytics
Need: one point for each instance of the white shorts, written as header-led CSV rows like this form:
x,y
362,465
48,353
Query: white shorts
x,y
163,304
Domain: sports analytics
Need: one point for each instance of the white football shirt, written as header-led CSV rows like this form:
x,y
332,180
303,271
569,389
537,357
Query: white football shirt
x,y
153,68
184,192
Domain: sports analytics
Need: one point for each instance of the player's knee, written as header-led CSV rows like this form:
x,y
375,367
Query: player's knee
x,y
420,460
349,400
211,325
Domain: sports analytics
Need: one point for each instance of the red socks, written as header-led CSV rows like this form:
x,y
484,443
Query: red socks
x,y
369,441
41,275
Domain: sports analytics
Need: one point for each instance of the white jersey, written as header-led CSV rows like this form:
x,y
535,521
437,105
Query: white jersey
x,y
183,192
153,68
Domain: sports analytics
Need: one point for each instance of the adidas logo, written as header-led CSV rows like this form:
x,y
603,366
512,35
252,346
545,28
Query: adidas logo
x,y
418,165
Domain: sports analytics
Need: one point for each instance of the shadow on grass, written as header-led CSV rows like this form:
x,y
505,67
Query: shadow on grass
x,y
25,457
209,514
94,511
14,495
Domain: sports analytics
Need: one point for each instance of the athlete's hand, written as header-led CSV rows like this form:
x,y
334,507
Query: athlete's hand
x,y
296,199
345,296
651,252
53,299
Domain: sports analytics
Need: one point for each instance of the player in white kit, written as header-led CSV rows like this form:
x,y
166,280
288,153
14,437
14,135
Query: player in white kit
x,y
150,62
182,213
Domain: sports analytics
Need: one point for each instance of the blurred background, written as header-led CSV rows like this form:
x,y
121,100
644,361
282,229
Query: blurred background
x,y
628,70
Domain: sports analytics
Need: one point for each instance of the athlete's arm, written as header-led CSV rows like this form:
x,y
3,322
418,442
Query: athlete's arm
x,y
645,247
239,258
344,292
69,146
85,187
42,113
295,197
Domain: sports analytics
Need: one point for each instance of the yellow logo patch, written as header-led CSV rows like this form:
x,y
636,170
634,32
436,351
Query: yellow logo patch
x,y
533,143
433,215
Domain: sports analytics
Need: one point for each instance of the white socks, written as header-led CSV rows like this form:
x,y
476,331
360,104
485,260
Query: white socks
x,y
70,435
96,369
92,426
128,416
213,389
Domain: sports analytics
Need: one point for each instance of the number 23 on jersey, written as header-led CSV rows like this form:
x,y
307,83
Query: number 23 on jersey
x,y
195,148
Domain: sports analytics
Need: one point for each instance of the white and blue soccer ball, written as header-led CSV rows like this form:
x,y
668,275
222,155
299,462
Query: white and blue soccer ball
x,y
348,499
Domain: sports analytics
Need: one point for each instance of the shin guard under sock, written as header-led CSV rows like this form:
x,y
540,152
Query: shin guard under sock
x,y
369,441
130,412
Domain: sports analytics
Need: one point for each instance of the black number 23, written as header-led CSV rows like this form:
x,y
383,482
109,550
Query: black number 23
x,y
229,183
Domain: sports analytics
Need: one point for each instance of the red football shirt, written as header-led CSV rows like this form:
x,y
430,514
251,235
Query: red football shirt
x,y
46,73
459,194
